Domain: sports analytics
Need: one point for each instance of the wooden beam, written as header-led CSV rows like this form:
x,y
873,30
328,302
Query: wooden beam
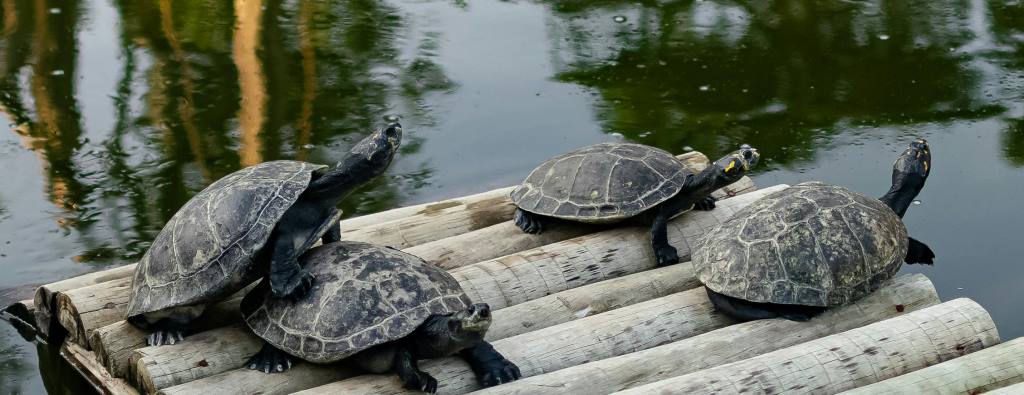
x,y
84,362
46,296
85,309
849,359
994,367
730,344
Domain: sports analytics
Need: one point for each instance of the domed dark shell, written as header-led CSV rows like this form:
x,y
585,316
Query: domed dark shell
x,y
811,244
364,295
602,183
208,248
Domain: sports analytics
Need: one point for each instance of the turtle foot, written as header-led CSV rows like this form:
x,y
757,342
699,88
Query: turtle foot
x,y
666,255
421,381
499,372
164,337
270,360
706,204
528,222
292,285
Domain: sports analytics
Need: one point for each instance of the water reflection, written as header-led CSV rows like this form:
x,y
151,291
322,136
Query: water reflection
x,y
778,75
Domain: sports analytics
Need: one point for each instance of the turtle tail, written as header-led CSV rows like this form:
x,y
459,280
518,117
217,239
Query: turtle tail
x,y
919,253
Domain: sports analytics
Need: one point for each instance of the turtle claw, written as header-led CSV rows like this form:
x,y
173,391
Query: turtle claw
x,y
420,381
164,337
294,286
706,204
528,222
502,372
270,360
666,255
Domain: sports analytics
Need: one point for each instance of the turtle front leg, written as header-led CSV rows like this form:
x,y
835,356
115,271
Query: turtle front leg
x,y
705,204
409,372
528,222
665,253
333,233
270,360
287,278
491,368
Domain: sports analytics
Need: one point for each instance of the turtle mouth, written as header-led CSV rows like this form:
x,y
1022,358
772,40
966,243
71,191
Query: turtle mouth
x,y
477,318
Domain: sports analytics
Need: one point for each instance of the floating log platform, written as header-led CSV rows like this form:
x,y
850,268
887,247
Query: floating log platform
x,y
581,309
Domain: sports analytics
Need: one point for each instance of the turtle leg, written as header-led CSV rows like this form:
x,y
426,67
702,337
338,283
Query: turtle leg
x,y
287,278
529,222
705,204
491,368
167,327
665,253
409,372
270,360
333,233
919,253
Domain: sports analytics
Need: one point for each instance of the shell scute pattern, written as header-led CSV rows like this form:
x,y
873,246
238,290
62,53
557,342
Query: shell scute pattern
x,y
810,244
207,248
602,183
365,295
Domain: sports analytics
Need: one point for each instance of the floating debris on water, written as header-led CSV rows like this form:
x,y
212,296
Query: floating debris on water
x,y
391,118
308,146
57,72
687,148
883,37
704,88
619,19
55,10
916,202
616,135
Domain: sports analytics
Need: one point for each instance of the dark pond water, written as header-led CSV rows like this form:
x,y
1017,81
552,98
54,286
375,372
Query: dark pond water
x,y
116,112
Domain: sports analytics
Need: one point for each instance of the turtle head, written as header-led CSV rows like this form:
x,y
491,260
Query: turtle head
x,y
472,322
909,173
374,153
732,167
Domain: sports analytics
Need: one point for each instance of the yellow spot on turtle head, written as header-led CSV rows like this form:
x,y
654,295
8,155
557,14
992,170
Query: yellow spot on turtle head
x,y
925,165
732,164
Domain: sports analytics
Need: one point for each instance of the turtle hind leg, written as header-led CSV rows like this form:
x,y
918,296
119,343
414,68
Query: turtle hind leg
x,y
705,204
270,360
919,253
529,222
745,310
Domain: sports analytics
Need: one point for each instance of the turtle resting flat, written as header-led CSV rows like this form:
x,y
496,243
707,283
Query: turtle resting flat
x,y
252,223
612,182
800,250
381,308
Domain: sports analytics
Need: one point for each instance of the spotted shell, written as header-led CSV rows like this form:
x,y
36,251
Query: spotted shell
x,y
364,295
811,244
209,248
602,183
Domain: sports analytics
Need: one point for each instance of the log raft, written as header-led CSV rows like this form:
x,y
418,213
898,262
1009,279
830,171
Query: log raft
x,y
593,294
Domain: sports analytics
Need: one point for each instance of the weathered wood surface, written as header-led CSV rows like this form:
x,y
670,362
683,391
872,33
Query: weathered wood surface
x,y
204,354
541,271
360,223
1015,389
85,363
442,220
593,299
506,238
849,359
22,315
245,381
994,367
82,310
114,343
45,298
730,344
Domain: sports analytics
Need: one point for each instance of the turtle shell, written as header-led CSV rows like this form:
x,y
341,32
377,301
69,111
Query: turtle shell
x,y
811,244
364,295
208,249
602,183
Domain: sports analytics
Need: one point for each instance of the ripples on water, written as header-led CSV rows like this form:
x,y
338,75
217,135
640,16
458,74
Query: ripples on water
x,y
116,112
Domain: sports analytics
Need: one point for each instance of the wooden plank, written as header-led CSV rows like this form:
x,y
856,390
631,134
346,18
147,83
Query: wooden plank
x,y
46,300
733,343
1015,389
538,272
849,359
994,367
84,362
623,331
360,223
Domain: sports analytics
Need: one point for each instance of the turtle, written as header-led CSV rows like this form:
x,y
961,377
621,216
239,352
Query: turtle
x,y
796,252
379,308
612,182
252,223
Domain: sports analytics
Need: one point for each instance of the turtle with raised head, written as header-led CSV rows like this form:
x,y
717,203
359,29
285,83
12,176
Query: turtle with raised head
x,y
252,223
381,308
612,182
798,251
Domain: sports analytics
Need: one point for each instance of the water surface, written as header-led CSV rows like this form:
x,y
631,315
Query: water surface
x,y
115,113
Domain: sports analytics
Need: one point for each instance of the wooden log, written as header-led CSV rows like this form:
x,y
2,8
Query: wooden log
x,y
84,362
589,300
440,221
587,259
46,301
82,310
849,359
994,367
358,224
533,315
506,238
1015,389
737,342
22,315
204,354
114,343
